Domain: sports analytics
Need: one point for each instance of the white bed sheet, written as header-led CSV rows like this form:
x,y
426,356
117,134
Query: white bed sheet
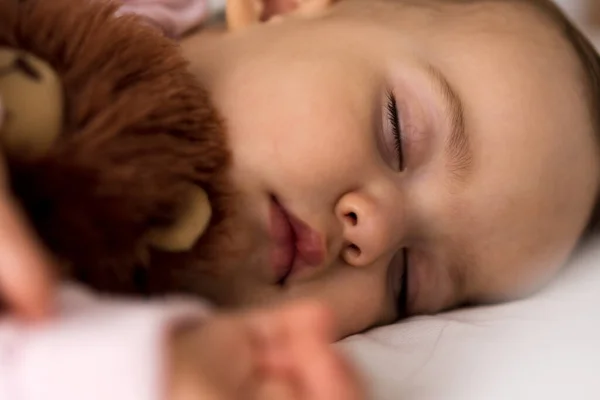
x,y
545,347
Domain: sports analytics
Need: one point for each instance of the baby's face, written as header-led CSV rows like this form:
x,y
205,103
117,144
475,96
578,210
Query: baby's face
x,y
483,199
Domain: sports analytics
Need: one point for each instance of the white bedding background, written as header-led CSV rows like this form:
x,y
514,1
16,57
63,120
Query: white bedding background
x,y
545,347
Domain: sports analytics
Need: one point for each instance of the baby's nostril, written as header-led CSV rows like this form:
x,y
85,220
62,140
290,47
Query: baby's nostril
x,y
354,250
353,218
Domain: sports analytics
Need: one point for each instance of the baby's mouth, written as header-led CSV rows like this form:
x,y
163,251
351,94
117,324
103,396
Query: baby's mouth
x,y
283,253
295,245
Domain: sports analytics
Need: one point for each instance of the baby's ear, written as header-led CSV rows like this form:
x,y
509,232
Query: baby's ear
x,y
243,13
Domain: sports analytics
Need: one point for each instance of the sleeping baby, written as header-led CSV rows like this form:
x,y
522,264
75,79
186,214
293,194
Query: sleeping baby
x,y
428,154
392,158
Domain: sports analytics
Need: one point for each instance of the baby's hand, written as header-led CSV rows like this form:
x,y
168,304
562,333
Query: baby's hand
x,y
280,354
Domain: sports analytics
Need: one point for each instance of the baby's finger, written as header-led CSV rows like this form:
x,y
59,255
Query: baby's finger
x,y
326,375
276,388
273,330
26,282
322,373
313,369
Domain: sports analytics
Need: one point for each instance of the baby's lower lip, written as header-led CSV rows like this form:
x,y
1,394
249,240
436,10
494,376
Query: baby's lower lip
x,y
283,251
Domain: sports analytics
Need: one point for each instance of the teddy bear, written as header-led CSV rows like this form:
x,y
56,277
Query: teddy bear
x,y
113,150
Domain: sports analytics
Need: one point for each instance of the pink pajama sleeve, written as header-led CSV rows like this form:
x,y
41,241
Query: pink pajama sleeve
x,y
97,349
174,17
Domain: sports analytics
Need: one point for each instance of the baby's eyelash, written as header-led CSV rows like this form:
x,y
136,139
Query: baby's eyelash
x,y
394,118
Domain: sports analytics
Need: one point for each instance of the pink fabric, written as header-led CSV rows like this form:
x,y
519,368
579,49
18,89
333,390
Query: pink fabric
x,y
96,349
174,17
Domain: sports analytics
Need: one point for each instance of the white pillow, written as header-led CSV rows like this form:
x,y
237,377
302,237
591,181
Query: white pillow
x,y
545,347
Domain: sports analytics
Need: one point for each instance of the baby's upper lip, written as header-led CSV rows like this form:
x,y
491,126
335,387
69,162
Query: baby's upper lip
x,y
308,243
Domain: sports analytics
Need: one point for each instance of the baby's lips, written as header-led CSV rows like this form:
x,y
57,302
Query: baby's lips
x,y
309,243
311,249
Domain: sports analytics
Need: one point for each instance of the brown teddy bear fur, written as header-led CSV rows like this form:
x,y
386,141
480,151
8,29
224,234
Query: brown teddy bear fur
x,y
137,129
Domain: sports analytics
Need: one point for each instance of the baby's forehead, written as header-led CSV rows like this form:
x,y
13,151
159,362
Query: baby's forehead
x,y
520,29
536,21
525,19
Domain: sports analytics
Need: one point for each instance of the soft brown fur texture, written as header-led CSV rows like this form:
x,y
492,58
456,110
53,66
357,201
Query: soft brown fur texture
x,y
137,129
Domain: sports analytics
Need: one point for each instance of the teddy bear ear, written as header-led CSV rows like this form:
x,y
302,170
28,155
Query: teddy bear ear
x,y
32,104
193,221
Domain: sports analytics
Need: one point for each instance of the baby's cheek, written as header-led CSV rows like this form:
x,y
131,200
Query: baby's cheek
x,y
516,280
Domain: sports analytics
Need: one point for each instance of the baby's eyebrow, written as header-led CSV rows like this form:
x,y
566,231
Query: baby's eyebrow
x,y
458,144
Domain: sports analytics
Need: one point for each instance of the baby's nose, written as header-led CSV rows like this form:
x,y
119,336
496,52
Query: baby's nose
x,y
369,231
